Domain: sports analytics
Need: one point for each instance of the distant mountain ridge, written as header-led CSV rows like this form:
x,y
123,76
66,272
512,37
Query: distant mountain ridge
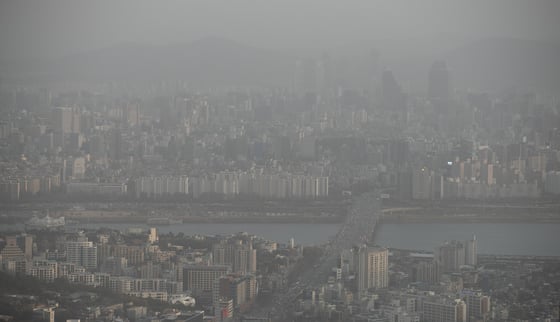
x,y
487,64
208,61
502,63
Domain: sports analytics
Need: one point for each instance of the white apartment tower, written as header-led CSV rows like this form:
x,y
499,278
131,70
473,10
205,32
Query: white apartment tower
x,y
373,268
82,252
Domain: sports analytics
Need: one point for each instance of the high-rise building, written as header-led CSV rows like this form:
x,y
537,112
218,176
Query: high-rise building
x,y
438,86
200,279
444,310
245,260
393,98
114,265
82,252
404,184
242,258
44,270
471,252
372,268
223,310
422,184
65,120
426,271
115,143
487,174
450,256
16,266
12,250
133,254
153,236
478,305
156,187
17,247
348,261
240,288
150,270
61,119
552,182
97,148
77,167
396,152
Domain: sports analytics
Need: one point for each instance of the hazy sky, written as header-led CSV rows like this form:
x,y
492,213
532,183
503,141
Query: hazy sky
x,y
54,27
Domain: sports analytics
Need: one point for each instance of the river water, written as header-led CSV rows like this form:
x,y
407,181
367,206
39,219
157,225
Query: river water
x,y
504,239
507,238
305,234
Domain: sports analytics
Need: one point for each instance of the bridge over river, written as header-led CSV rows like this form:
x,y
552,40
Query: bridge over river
x,y
358,228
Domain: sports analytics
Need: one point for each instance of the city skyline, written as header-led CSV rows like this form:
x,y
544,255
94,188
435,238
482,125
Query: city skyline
x,y
279,161
37,28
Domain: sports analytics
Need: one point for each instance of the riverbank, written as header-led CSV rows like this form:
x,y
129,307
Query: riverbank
x,y
215,219
467,219
320,211
471,214
311,212
388,217
524,239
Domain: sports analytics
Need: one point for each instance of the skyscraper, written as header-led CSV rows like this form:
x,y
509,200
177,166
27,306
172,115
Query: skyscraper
x,y
20,246
440,310
12,250
65,120
373,268
153,236
25,243
422,184
471,252
393,98
61,119
242,258
438,86
82,252
115,142
200,279
242,289
478,305
450,256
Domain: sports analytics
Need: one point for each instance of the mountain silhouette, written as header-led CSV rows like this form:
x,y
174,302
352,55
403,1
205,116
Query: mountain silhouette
x,y
505,63
206,62
493,64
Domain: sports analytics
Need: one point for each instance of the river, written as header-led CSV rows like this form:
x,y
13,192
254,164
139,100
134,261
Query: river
x,y
305,234
506,238
493,238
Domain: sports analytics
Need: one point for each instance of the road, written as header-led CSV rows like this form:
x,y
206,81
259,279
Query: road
x,y
357,229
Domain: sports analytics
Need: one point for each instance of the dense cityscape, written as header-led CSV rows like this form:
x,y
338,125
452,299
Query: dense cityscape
x,y
113,160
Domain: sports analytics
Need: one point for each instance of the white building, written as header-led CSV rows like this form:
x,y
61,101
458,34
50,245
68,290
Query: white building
x,y
372,268
82,252
444,310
